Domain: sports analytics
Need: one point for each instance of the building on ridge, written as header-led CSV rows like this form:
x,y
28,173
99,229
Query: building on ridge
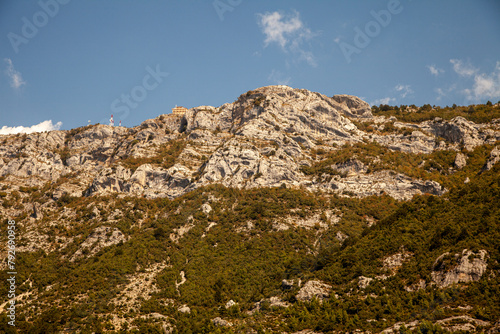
x,y
178,111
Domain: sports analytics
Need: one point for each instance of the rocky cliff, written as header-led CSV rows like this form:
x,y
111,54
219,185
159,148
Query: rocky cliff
x,y
263,139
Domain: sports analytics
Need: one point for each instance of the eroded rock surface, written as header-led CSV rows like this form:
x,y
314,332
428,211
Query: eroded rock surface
x,y
263,139
469,267
314,289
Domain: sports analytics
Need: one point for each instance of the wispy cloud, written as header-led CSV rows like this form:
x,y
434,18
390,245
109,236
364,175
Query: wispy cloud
x,y
462,69
486,86
448,93
43,126
16,79
404,90
440,93
385,100
435,70
277,77
287,31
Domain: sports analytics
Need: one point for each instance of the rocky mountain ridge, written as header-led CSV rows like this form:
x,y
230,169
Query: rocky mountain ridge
x,y
263,139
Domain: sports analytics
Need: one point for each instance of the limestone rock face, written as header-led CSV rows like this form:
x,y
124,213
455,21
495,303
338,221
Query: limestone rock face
x,y
417,142
396,185
355,106
494,158
393,262
469,268
460,160
184,309
219,322
314,289
101,237
230,304
363,282
461,131
263,139
462,323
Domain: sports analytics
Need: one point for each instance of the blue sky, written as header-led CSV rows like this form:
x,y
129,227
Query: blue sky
x,y
66,62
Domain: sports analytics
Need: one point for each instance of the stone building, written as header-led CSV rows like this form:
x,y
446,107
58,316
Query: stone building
x,y
178,111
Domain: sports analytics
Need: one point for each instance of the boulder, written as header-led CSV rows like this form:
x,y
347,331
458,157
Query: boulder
x,y
460,160
314,289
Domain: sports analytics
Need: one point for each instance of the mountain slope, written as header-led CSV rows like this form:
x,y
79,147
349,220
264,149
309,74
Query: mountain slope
x,y
283,211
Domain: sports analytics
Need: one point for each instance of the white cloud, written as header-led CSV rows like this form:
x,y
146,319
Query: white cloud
x,y
435,70
16,79
43,126
279,29
277,77
308,57
486,86
287,31
443,93
440,93
465,70
385,100
405,90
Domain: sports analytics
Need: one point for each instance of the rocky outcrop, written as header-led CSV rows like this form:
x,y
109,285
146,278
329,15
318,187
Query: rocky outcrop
x,y
184,309
462,323
394,262
219,322
101,237
363,282
263,139
416,142
314,289
355,106
460,160
290,284
469,267
461,131
413,325
396,185
493,159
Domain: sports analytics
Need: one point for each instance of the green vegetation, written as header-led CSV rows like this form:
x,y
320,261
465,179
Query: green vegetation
x,y
481,113
165,157
427,226
248,266
437,166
